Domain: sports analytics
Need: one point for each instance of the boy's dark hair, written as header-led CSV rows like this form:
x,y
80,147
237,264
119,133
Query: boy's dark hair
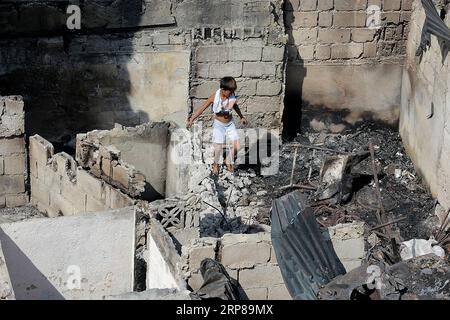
x,y
228,83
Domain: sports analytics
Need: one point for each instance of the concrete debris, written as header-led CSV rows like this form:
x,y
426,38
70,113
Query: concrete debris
x,y
419,247
425,277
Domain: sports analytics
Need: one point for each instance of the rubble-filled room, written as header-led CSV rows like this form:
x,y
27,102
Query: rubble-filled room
x,y
113,185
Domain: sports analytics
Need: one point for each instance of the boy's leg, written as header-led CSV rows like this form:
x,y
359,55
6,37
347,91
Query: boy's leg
x,y
217,151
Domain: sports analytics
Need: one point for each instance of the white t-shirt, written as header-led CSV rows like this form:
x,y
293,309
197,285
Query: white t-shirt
x,y
225,106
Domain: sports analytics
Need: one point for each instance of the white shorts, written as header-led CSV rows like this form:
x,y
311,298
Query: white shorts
x,y
223,132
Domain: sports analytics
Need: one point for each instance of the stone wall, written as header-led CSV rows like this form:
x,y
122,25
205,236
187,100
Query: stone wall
x,y
13,172
111,71
338,59
424,124
60,187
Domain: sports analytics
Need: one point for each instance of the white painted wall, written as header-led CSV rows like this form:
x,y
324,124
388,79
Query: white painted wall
x,y
43,255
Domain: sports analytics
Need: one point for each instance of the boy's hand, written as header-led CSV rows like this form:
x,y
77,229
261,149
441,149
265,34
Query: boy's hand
x,y
244,121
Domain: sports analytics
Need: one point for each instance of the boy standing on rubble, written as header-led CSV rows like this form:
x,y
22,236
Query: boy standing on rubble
x,y
223,103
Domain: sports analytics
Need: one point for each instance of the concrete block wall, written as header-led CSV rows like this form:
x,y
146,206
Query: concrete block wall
x,y
424,124
130,158
86,81
13,173
251,259
248,258
335,30
60,187
337,61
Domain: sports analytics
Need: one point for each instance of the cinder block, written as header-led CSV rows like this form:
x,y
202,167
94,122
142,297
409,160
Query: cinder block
x,y
305,19
257,293
260,276
308,5
268,88
304,36
391,17
16,200
204,89
14,105
323,52
202,70
91,185
273,54
392,5
347,51
325,5
198,254
213,54
245,54
349,5
230,69
2,170
12,125
2,202
12,146
10,184
40,149
325,19
370,50
349,249
161,38
306,52
262,104
14,165
334,36
407,5
350,19
279,292
363,35
247,88
245,254
259,69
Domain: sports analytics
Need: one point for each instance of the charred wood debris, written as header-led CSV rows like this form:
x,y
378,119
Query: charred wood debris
x,y
366,175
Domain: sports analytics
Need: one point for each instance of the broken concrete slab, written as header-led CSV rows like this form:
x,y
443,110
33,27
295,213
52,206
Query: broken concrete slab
x,y
77,257
162,260
6,290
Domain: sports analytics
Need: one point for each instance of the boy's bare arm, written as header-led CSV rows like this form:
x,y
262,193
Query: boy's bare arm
x,y
199,111
238,111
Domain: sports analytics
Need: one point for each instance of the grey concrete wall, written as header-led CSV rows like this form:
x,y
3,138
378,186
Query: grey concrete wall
x,y
111,72
13,172
82,257
425,132
60,187
338,62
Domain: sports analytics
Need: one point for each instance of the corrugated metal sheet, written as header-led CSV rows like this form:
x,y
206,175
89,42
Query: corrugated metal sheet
x,y
434,25
306,259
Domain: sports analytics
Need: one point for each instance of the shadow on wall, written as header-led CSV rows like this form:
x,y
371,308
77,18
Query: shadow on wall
x,y
22,270
72,81
295,74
